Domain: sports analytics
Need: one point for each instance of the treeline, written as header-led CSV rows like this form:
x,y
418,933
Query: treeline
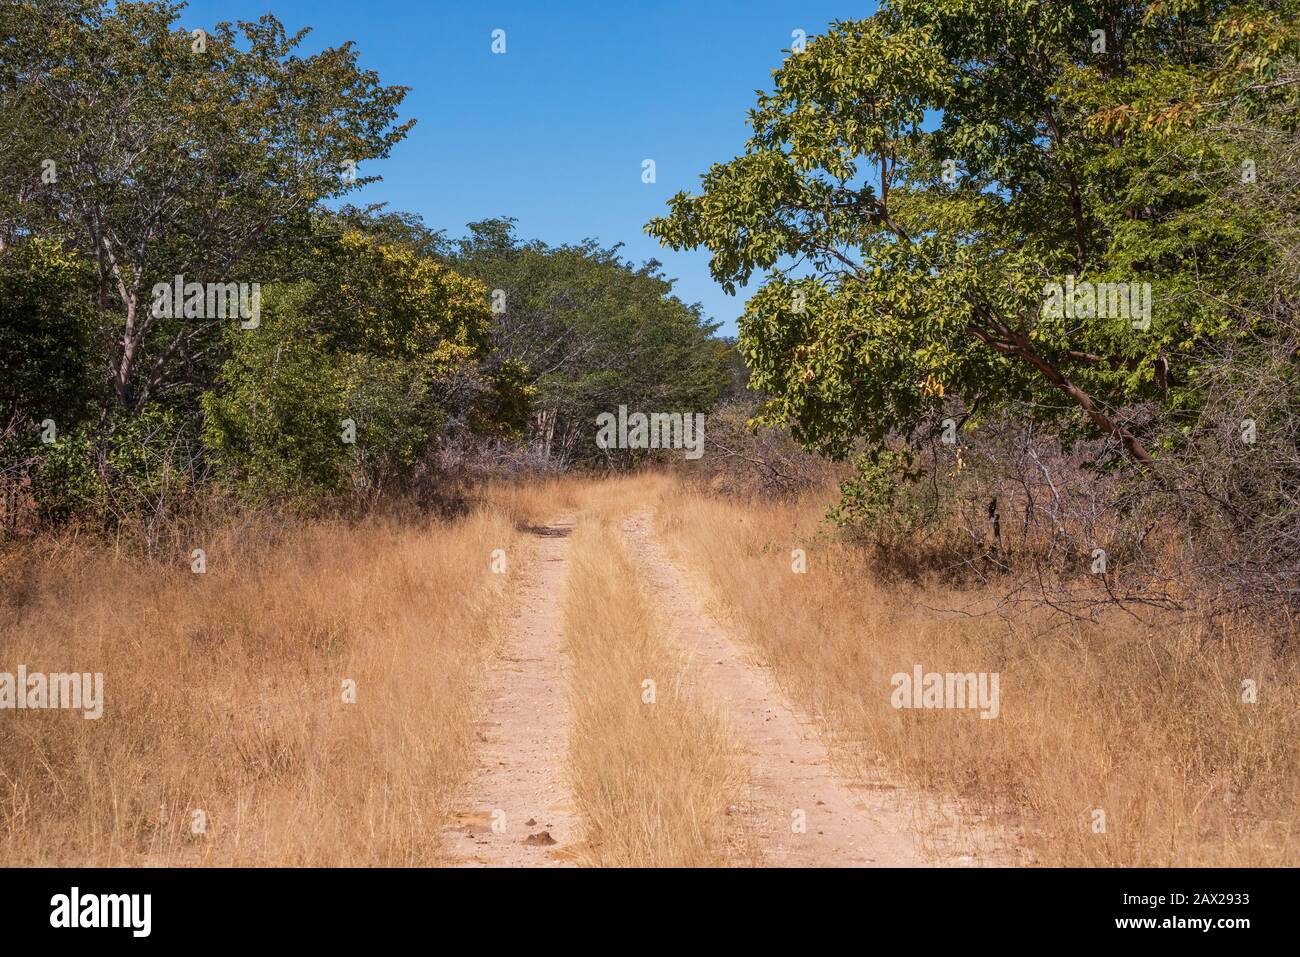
x,y
184,306
1030,268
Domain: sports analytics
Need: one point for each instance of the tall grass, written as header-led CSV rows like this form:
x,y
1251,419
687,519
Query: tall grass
x,y
225,738
1145,723
224,694
652,779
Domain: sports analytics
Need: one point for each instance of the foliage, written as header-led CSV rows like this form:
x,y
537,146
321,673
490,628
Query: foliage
x,y
135,472
384,338
157,153
45,337
890,291
275,425
914,184
594,331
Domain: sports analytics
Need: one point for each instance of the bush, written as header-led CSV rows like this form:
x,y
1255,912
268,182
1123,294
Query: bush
x,y
133,472
742,457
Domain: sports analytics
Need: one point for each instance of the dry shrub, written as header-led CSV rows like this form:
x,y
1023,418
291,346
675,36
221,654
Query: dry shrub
x,y
743,460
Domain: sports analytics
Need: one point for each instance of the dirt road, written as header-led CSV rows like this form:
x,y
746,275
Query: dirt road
x,y
517,810
795,810
798,811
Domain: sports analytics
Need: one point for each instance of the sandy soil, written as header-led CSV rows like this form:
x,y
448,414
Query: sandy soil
x,y
521,777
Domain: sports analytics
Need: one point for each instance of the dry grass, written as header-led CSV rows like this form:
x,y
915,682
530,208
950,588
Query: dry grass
x,y
224,692
652,780
529,504
1145,724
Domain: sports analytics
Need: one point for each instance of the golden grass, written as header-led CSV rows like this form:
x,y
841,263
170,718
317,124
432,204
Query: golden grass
x,y
652,780
223,695
224,692
1147,725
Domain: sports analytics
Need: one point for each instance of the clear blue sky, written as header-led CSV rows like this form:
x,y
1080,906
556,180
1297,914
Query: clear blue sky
x,y
554,131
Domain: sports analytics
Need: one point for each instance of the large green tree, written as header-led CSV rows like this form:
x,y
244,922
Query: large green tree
x,y
916,181
159,149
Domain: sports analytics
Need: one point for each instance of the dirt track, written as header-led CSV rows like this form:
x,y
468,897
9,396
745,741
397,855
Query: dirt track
x,y
795,810
798,811
517,811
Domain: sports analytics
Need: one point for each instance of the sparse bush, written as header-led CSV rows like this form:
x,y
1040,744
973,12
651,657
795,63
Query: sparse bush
x,y
742,457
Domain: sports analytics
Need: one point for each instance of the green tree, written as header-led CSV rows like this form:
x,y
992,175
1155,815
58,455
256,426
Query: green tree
x,y
916,181
47,375
46,347
158,150
592,332
375,335
275,425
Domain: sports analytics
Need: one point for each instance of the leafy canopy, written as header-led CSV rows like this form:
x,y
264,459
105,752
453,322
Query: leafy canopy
x,y
916,180
372,332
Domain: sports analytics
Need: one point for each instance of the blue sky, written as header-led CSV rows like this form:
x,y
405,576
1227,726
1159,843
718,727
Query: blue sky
x,y
554,131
